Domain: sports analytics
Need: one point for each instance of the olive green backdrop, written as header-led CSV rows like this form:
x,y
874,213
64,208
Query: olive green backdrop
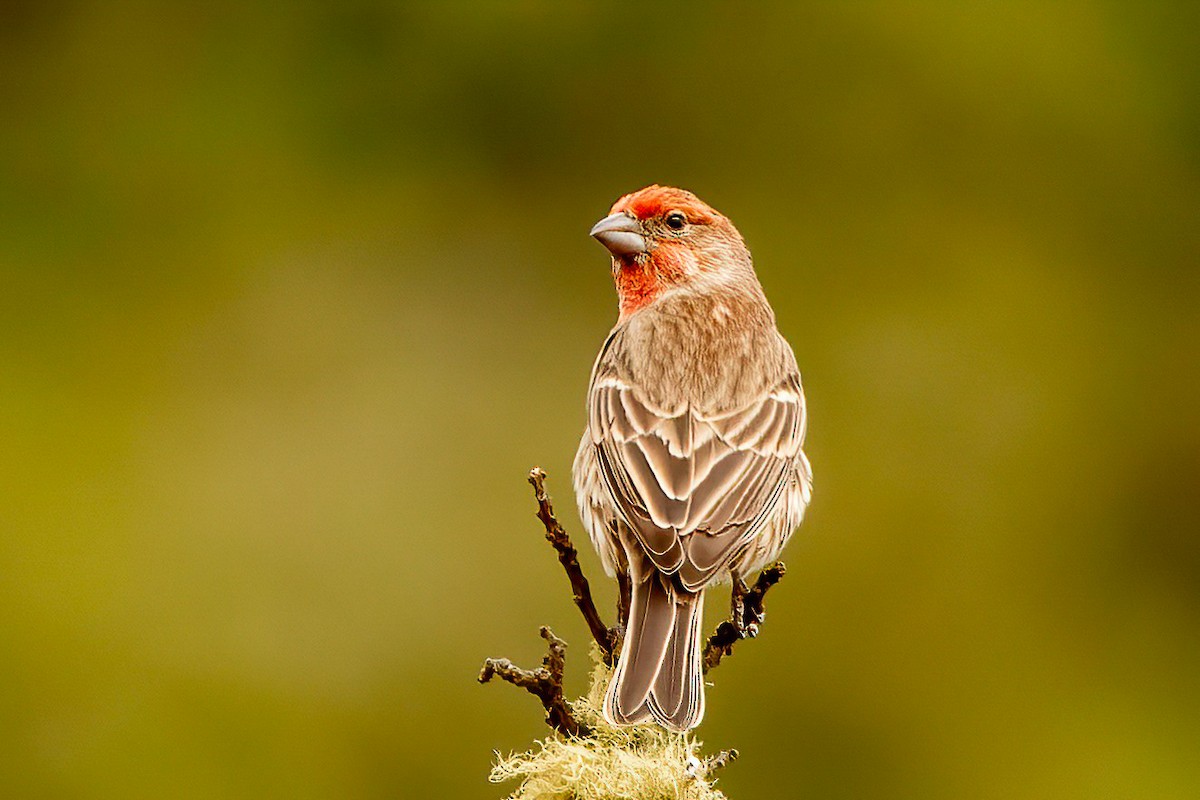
x,y
294,295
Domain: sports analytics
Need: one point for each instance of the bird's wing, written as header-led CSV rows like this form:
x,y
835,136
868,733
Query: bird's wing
x,y
694,488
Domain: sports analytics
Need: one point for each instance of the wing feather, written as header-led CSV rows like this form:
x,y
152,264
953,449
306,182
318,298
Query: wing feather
x,y
695,488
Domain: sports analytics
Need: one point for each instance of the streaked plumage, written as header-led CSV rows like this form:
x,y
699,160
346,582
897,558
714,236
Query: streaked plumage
x,y
691,464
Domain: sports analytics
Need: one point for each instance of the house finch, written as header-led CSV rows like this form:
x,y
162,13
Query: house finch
x,y
690,470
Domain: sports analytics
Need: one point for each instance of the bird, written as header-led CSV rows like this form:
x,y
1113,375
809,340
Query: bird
x,y
690,471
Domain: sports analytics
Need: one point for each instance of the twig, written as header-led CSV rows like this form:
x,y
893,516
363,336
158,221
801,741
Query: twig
x,y
568,556
720,761
747,616
544,682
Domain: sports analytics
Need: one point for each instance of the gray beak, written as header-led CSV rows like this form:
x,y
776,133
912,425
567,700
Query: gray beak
x,y
621,234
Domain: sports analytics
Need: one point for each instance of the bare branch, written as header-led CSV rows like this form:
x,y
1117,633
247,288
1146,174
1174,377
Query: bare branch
x,y
545,683
720,761
568,556
746,616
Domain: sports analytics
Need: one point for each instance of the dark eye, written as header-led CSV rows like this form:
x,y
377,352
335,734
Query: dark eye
x,y
676,220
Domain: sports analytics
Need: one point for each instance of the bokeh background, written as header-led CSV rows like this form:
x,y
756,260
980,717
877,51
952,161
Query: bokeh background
x,y
294,295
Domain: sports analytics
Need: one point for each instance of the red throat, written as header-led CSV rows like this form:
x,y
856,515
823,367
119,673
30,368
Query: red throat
x,y
637,286
640,284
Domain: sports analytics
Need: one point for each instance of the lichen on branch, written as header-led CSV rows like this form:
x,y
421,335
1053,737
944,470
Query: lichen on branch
x,y
642,761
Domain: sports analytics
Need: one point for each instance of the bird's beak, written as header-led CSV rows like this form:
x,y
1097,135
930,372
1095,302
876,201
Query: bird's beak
x,y
621,234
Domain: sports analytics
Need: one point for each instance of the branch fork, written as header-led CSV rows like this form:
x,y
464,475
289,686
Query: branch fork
x,y
545,683
746,615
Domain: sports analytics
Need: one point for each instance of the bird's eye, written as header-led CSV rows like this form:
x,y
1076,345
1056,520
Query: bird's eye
x,y
676,220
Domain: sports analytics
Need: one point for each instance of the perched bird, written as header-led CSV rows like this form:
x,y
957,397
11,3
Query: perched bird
x,y
690,471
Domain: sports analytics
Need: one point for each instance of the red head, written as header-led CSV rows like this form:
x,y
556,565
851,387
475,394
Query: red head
x,y
662,238
657,202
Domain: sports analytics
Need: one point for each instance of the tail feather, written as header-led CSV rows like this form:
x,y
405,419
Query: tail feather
x,y
677,699
651,618
659,672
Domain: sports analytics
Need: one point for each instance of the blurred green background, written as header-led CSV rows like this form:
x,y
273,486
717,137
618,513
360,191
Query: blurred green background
x,y
294,295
